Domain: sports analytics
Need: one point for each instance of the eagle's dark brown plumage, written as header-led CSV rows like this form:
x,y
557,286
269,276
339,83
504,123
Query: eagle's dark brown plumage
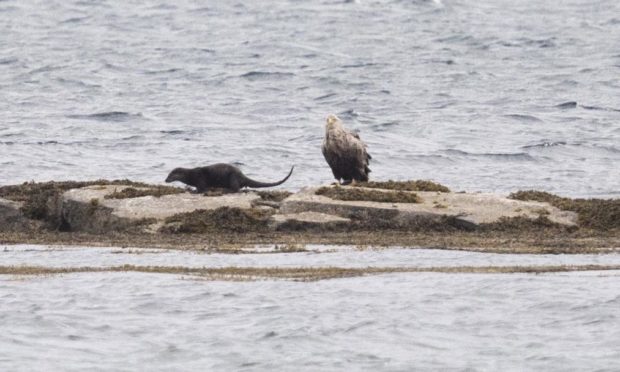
x,y
345,152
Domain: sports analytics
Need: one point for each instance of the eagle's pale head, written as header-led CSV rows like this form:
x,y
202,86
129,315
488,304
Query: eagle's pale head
x,y
333,122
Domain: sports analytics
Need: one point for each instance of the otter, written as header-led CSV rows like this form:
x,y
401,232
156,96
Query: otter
x,y
345,152
221,175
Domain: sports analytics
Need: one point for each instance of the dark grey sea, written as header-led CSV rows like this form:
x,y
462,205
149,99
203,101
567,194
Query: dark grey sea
x,y
480,95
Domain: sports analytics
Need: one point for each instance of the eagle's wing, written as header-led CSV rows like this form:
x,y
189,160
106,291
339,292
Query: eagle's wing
x,y
333,159
362,156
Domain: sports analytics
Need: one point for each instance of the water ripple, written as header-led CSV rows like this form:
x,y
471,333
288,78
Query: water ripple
x,y
567,105
544,144
518,156
523,117
449,314
110,116
598,108
266,75
8,60
233,81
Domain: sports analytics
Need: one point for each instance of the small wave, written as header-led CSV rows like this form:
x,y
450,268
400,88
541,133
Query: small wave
x,y
7,143
269,334
567,105
544,144
454,38
306,138
110,116
164,7
332,2
443,105
8,8
441,61
384,126
612,149
359,325
329,95
78,83
75,20
10,135
266,75
349,114
359,65
8,60
523,42
542,43
598,108
173,132
569,82
505,156
158,72
134,137
47,143
112,66
47,68
522,117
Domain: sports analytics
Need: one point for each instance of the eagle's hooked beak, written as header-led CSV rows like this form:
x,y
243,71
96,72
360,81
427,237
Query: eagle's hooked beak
x,y
332,119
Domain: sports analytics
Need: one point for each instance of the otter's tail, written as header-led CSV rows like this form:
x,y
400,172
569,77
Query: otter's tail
x,y
255,184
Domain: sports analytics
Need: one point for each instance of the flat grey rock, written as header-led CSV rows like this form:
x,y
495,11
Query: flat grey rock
x,y
469,208
11,216
88,209
308,219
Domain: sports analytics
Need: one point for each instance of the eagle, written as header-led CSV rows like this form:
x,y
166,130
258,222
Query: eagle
x,y
345,152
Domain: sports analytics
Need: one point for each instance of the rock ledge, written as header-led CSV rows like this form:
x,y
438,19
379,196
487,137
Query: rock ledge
x,y
87,209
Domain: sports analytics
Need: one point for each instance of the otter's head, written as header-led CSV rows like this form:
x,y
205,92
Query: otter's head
x,y
333,122
177,174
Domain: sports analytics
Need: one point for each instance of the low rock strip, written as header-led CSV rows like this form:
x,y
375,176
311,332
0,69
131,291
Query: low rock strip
x,y
469,208
88,209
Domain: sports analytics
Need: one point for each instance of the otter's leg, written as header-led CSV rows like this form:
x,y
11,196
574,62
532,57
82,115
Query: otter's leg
x,y
346,182
234,185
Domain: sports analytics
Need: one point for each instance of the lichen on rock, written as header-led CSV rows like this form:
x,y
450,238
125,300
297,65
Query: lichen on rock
x,y
132,192
414,185
361,194
599,214
224,219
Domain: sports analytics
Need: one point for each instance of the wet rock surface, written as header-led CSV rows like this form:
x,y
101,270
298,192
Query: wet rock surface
x,y
307,220
11,216
96,209
468,210
129,213
91,209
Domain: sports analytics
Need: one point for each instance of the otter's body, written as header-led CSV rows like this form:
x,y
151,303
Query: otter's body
x,y
345,152
218,176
